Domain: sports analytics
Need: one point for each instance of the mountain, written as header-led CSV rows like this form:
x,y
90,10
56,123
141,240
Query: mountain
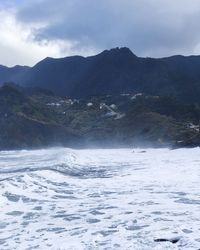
x,y
13,74
113,71
26,123
41,120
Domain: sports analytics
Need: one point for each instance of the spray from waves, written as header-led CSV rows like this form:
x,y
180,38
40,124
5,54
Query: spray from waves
x,y
63,161
73,171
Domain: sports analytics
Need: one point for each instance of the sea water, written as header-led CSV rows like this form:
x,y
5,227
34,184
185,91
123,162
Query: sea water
x,y
100,199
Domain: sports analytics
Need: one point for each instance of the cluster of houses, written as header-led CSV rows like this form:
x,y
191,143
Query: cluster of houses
x,y
194,127
67,101
111,110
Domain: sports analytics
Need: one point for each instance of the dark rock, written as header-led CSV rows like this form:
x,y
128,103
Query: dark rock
x,y
172,240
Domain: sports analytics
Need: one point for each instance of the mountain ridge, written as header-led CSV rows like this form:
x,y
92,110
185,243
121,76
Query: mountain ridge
x,y
113,71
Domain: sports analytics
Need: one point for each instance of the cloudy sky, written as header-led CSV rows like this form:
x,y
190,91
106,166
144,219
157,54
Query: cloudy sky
x,y
31,30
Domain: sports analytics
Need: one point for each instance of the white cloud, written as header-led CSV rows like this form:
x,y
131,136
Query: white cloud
x,y
35,29
149,27
18,46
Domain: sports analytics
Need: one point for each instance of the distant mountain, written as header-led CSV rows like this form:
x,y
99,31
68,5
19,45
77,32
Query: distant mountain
x,y
113,71
13,74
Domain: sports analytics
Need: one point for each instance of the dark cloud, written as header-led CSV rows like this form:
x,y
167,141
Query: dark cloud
x,y
148,27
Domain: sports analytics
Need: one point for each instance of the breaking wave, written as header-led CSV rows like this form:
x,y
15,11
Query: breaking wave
x,y
100,199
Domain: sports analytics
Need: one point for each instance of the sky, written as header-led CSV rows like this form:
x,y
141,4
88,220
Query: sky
x,y
31,30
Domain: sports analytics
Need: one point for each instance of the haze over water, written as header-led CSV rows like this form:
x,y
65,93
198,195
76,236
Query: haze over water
x,y
99,199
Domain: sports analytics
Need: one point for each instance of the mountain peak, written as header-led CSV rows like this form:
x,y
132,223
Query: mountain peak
x,y
119,50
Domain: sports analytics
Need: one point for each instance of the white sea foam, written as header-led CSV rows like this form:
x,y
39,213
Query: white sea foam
x,y
99,199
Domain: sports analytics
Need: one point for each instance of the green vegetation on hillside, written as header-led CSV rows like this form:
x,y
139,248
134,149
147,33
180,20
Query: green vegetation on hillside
x,y
39,120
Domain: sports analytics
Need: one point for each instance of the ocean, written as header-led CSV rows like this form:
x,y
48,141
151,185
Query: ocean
x,y
62,198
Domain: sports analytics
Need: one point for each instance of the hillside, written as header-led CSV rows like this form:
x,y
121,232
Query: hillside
x,y
41,120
